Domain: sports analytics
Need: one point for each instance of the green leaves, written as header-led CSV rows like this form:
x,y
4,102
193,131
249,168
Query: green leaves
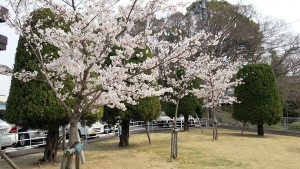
x,y
259,96
33,104
188,105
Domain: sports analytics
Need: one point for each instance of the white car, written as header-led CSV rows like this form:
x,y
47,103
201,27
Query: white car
x,y
29,136
8,135
89,131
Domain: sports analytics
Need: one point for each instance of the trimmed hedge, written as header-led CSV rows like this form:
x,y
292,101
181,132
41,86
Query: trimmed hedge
x,y
295,126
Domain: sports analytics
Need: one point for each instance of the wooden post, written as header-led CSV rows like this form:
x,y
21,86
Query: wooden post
x,y
77,159
64,161
172,145
12,164
200,123
67,153
64,138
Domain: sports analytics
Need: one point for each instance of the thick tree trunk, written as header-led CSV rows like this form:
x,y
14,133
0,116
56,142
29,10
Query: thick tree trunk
x,y
50,152
72,139
147,131
260,129
124,137
186,122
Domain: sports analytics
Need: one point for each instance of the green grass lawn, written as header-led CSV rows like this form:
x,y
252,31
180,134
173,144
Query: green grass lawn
x,y
196,150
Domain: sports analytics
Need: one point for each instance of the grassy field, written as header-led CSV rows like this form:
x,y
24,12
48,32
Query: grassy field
x,y
196,150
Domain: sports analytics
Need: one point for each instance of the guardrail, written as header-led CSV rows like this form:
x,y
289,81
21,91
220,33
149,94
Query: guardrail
x,y
32,141
23,139
180,123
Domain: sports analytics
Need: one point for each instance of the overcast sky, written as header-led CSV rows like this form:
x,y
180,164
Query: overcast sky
x,y
285,10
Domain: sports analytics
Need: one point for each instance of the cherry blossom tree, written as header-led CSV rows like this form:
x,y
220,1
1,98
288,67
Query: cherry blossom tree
x,y
216,75
93,29
180,76
218,78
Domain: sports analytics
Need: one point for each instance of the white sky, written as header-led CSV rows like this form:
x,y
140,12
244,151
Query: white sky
x,y
285,10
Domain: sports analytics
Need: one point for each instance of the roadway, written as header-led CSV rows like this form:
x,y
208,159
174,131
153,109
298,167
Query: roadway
x,y
39,147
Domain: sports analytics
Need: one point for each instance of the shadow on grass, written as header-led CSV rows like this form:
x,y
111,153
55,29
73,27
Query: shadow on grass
x,y
108,146
161,131
294,150
249,135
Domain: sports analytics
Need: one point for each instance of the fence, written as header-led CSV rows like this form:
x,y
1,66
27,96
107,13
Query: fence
x,y
32,138
287,121
22,139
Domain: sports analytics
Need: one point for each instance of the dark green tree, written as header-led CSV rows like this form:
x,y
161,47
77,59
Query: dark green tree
x,y
33,104
189,105
113,114
147,110
259,97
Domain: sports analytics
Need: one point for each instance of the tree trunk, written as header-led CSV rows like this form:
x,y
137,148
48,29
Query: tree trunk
x,y
124,137
199,123
260,129
215,123
50,152
244,125
186,123
81,154
147,131
72,139
174,145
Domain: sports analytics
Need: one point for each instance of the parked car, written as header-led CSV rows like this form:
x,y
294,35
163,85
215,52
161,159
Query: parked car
x,y
89,131
166,121
29,136
163,120
8,135
24,136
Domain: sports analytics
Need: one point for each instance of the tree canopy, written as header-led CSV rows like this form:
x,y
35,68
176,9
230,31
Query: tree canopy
x,y
29,101
258,95
189,105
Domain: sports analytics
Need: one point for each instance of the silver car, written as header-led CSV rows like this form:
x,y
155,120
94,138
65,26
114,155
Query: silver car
x,y
8,135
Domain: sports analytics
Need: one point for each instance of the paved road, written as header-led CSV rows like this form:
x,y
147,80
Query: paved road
x,y
21,151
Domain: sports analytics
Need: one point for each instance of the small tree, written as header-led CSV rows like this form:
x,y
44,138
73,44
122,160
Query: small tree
x,y
147,110
179,77
189,105
259,97
218,77
114,115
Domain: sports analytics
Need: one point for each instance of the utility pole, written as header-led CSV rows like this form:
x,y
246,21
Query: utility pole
x,y
200,8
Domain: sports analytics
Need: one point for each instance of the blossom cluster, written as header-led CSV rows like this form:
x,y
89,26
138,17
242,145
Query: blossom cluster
x,y
85,33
